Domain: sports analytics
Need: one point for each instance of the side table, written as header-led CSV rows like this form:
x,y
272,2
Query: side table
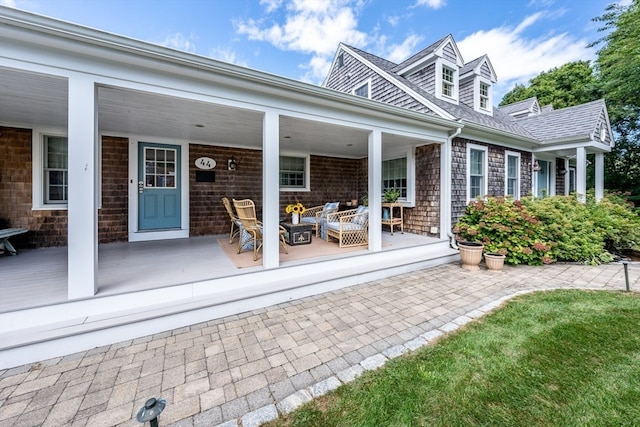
x,y
393,220
297,234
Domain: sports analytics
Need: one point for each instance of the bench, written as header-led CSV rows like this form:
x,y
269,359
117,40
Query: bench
x,y
4,238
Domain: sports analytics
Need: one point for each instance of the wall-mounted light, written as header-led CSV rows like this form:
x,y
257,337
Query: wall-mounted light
x,y
536,166
231,164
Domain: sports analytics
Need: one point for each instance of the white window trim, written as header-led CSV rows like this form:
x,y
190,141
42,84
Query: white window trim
x,y
508,154
476,100
307,175
37,169
485,169
366,83
440,65
410,200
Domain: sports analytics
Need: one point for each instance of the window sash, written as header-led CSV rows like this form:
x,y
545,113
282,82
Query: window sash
x,y
55,170
476,173
362,91
512,176
292,172
447,81
394,175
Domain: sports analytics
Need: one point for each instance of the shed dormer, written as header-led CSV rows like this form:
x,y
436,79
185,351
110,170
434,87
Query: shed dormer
x,y
476,85
435,69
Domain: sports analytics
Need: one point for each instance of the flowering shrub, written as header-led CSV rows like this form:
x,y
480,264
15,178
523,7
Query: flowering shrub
x,y
505,226
559,228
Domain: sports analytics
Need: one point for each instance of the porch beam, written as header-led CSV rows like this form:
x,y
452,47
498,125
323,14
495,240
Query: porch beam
x,y
271,189
375,190
82,206
581,173
599,176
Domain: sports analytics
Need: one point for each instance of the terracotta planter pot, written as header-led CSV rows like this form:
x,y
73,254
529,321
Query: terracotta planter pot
x,y
471,255
495,262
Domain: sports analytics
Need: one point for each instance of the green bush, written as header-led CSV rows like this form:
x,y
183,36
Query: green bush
x,y
538,231
505,226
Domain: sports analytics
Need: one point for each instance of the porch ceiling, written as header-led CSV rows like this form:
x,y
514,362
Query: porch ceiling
x,y
36,100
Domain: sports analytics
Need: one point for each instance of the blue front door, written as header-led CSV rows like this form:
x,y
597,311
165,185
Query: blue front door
x,y
544,183
158,186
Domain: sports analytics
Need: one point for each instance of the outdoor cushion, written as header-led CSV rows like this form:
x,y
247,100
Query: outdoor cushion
x,y
345,226
361,219
329,207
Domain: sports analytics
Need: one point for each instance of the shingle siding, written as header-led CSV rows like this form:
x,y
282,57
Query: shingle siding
x,y
466,92
485,71
449,53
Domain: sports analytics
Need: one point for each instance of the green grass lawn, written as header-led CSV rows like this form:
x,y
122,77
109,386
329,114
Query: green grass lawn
x,y
558,358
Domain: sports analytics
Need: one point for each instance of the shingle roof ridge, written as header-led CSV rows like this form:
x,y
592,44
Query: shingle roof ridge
x,y
471,64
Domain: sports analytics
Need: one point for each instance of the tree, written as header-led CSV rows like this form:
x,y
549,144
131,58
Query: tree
x,y
618,69
570,84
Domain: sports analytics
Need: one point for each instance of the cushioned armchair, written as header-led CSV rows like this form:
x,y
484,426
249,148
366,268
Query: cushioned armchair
x,y
350,228
251,228
317,214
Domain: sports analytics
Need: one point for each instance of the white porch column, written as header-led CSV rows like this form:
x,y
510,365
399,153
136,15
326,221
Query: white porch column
x,y
375,190
82,205
599,176
270,189
581,173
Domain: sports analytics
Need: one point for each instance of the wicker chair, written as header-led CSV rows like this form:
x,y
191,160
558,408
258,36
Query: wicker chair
x,y
317,214
235,222
251,230
350,228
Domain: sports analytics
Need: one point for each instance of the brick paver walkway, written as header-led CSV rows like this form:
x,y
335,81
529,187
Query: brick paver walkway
x,y
246,369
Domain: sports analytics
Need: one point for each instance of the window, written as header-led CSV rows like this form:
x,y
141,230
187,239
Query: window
x,y
603,134
362,90
448,82
476,171
160,167
484,96
394,175
55,174
341,60
512,174
293,172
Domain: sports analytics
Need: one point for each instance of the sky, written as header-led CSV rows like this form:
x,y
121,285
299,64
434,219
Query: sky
x,y
298,38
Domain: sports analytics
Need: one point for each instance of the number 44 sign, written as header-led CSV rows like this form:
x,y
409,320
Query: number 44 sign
x,y
205,163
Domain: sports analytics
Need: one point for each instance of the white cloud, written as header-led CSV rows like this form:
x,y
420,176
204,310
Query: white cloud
x,y
434,4
226,54
311,27
271,5
399,52
517,58
8,3
181,42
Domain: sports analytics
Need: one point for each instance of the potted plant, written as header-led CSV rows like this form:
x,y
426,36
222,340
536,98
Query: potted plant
x,y
470,254
494,260
391,195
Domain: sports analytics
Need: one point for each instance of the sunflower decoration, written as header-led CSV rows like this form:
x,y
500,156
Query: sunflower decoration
x,y
295,208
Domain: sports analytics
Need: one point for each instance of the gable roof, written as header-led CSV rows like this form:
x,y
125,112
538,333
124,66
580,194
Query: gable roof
x,y
530,105
579,121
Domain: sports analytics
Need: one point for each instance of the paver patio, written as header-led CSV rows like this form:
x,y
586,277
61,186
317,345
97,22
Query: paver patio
x,y
249,368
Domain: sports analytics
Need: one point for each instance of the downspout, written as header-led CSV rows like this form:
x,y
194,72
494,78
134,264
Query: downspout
x,y
447,188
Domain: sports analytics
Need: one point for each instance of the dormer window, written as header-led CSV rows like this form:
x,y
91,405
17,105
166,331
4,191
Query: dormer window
x,y
448,82
484,96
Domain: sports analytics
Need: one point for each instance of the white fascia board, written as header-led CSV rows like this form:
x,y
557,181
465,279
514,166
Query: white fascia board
x,y
409,91
479,131
588,143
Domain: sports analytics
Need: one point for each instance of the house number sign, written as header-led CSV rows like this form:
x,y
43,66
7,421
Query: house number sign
x,y
205,163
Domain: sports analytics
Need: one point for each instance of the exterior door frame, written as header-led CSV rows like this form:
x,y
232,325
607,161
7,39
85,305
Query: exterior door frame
x,y
136,235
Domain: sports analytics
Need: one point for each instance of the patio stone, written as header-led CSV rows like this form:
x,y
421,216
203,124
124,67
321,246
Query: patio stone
x,y
248,368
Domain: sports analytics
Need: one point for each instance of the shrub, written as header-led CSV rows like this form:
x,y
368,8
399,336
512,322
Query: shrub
x,y
505,226
558,228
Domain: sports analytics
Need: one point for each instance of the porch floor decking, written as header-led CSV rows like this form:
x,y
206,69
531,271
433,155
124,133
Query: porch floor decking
x,y
38,277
